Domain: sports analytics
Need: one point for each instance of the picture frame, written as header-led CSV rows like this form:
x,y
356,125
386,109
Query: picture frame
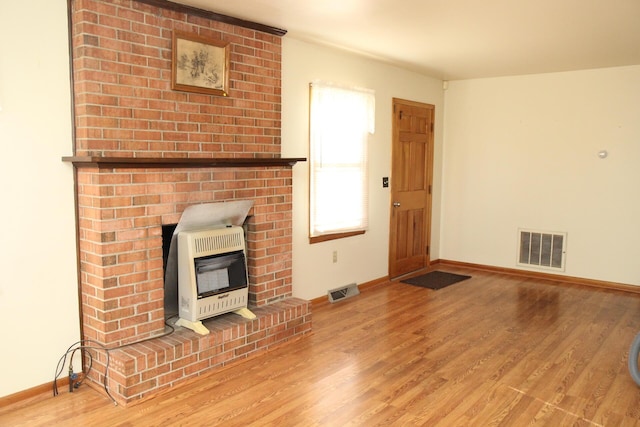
x,y
199,64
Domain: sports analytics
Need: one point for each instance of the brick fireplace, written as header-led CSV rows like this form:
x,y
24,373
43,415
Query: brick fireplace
x,y
142,154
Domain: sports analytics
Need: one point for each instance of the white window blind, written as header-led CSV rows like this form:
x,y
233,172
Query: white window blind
x,y
341,118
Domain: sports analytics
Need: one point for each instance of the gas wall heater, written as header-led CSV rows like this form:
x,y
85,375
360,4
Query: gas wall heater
x,y
212,275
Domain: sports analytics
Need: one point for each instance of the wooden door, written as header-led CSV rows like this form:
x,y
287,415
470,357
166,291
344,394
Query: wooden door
x,y
411,180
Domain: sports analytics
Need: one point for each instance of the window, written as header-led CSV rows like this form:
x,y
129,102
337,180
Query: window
x,y
341,119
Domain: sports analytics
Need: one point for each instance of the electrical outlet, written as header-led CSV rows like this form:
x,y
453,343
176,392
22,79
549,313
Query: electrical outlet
x,y
335,256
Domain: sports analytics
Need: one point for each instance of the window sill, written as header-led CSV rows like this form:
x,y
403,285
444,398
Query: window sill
x,y
327,237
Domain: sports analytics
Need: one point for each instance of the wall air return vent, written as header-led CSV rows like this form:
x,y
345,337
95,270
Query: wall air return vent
x,y
542,249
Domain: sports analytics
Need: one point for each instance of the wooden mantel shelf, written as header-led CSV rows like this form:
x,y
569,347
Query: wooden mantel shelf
x,y
164,162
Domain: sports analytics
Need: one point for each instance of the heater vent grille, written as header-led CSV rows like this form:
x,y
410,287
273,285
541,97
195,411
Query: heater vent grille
x,y
542,249
218,241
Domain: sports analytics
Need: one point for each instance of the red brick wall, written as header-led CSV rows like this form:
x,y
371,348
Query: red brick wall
x,y
124,106
123,98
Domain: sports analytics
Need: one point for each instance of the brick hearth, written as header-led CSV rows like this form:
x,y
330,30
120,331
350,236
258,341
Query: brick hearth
x,y
144,369
125,108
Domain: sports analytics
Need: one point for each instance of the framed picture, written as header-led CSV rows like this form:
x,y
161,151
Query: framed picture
x,y
199,64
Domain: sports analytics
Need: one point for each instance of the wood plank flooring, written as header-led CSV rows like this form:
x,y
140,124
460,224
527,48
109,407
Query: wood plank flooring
x,y
494,350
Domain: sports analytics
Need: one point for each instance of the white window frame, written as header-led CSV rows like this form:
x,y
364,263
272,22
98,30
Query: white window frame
x,y
341,119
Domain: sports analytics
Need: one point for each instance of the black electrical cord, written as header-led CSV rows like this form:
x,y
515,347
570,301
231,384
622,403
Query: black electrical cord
x,y
80,345
164,334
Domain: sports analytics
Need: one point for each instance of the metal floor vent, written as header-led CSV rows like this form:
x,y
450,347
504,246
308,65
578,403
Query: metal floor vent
x,y
542,249
339,294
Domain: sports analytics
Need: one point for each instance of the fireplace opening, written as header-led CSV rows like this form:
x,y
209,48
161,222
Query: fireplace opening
x,y
167,234
205,272
170,286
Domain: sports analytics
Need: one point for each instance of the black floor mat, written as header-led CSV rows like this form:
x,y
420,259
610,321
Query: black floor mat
x,y
435,279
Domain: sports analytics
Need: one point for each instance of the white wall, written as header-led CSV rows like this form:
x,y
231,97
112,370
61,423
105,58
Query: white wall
x,y
38,289
522,152
361,258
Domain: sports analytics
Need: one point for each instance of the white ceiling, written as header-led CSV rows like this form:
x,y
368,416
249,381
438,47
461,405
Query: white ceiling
x,y
459,39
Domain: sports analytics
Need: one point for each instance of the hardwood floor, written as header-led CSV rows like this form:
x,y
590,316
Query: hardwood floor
x,y
492,350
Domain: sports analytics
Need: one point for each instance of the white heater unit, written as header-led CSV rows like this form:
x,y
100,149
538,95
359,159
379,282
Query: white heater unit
x,y
212,276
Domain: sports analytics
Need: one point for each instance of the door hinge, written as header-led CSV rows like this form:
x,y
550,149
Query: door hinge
x,y
400,114
429,188
431,126
427,249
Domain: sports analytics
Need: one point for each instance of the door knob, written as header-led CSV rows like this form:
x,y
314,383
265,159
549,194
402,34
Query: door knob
x,y
396,204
